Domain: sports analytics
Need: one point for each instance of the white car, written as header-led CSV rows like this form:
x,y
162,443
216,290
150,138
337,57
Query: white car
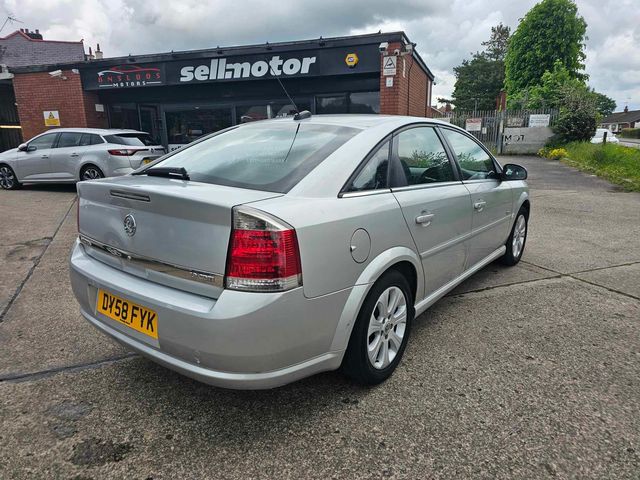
x,y
67,155
599,136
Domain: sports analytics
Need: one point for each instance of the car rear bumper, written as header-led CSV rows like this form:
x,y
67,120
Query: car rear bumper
x,y
239,340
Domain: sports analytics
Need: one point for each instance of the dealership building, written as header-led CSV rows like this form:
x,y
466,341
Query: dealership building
x,y
179,96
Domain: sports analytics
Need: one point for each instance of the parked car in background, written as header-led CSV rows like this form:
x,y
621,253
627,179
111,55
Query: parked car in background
x,y
274,250
67,155
599,136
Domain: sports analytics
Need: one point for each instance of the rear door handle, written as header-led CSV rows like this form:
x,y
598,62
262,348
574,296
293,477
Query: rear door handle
x,y
44,156
479,205
425,219
74,155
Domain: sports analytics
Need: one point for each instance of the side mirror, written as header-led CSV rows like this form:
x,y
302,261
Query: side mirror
x,y
26,148
511,171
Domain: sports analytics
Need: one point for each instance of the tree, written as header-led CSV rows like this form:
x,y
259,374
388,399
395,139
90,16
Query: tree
x,y
605,105
551,31
496,46
479,80
577,119
553,90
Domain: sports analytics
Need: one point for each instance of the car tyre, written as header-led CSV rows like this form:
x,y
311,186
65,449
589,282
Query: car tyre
x,y
381,331
8,179
517,239
90,172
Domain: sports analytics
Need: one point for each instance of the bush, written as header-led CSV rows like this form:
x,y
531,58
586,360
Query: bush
x,y
543,152
577,119
557,154
630,133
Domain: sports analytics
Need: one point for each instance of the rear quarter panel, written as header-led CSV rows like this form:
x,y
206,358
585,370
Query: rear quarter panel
x,y
324,228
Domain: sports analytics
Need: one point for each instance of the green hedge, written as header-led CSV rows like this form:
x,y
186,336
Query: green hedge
x,y
630,133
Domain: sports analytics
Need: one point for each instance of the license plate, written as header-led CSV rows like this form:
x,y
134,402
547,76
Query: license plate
x,y
131,314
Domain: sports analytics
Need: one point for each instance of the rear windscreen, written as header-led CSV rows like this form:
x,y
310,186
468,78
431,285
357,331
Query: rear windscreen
x,y
271,157
135,139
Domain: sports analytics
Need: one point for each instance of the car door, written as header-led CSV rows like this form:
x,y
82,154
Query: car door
x,y
66,156
491,198
33,164
435,203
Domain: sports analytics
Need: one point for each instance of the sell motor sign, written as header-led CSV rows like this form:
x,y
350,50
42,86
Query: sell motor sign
x,y
220,69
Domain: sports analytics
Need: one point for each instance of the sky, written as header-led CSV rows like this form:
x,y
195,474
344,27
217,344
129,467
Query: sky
x,y
446,31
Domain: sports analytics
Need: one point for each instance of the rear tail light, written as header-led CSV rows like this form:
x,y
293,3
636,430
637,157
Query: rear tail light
x,y
125,152
263,253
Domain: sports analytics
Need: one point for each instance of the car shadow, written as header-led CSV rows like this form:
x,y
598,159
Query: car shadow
x,y
50,187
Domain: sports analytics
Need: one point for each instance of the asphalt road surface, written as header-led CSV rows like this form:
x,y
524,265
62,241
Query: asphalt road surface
x,y
524,372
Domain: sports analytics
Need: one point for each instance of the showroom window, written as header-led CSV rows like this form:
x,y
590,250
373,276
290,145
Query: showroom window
x,y
357,102
282,108
124,115
185,126
364,102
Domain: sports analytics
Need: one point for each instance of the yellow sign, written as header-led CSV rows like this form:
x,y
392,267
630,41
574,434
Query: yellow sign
x,y
51,118
351,59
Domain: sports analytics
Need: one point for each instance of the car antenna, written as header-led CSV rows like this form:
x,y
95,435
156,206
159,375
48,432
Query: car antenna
x,y
298,115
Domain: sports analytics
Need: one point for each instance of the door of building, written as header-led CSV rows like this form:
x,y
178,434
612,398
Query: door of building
x,y
150,122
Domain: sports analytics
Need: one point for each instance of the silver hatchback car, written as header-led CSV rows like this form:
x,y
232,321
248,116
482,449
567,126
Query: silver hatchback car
x,y
67,155
274,250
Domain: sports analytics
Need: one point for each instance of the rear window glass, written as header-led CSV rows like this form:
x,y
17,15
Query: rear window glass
x,y
135,139
271,157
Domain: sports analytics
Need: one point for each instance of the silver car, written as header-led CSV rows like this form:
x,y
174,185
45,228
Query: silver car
x,y
67,155
275,250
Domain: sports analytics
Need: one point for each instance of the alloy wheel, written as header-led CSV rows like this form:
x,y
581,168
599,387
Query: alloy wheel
x,y
387,327
91,173
7,178
519,236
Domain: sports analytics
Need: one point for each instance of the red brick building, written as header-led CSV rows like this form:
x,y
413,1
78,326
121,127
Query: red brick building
x,y
24,48
180,96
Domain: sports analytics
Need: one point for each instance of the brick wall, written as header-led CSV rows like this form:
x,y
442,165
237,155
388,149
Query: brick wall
x,y
409,94
37,92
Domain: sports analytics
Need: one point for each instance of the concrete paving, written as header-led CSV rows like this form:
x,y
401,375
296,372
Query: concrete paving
x,y
524,372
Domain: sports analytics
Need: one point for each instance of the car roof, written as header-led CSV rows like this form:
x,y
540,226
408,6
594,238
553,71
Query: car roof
x,y
362,121
98,131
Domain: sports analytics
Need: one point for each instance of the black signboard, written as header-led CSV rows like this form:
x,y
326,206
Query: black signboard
x,y
225,68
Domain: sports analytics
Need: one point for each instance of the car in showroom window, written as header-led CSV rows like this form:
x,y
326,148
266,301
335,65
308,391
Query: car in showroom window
x,y
275,250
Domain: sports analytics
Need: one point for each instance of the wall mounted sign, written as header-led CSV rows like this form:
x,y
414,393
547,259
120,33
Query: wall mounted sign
x,y
473,125
121,76
389,64
228,67
351,60
51,118
539,120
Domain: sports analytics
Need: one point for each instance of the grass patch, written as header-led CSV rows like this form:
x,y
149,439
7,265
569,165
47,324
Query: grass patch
x,y
618,164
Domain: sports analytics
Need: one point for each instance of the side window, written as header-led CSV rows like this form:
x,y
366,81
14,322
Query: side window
x,y
43,142
374,174
474,162
89,139
422,157
69,139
